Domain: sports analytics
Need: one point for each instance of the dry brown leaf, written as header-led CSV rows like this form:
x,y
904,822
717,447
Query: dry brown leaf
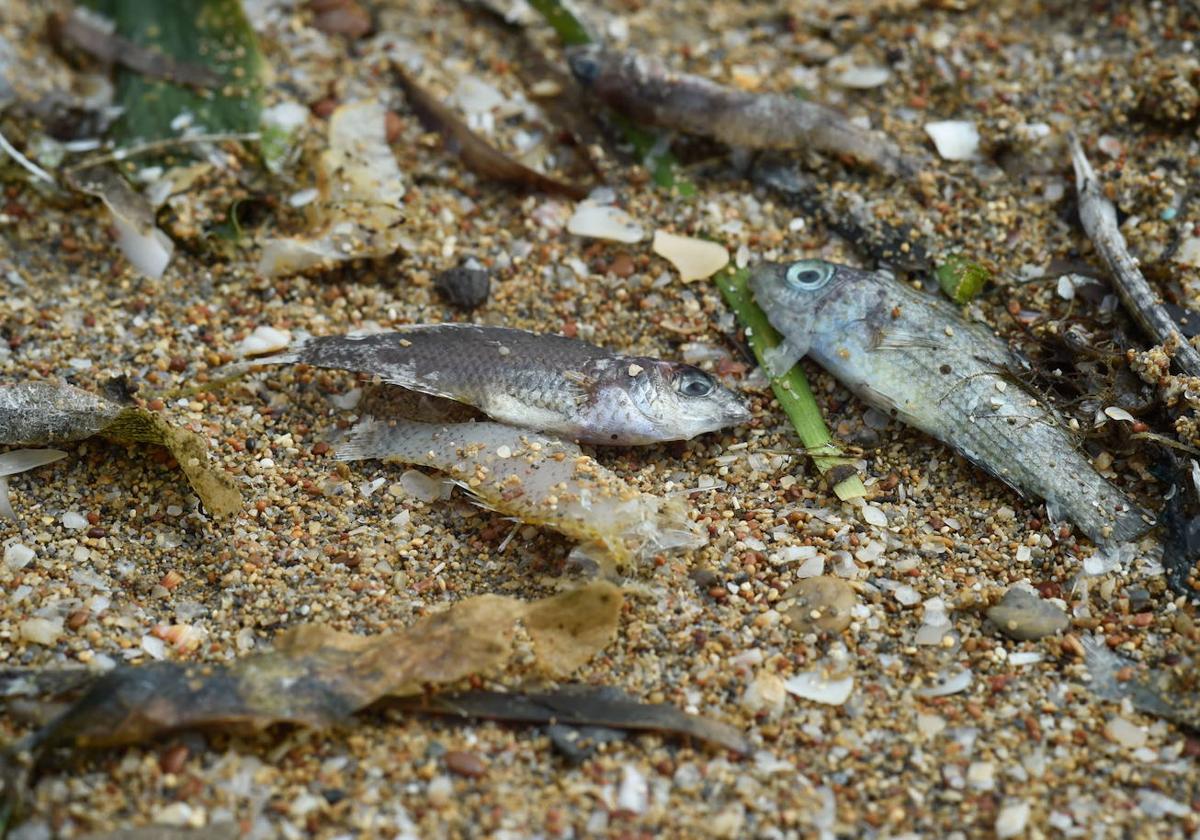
x,y
569,629
317,675
477,154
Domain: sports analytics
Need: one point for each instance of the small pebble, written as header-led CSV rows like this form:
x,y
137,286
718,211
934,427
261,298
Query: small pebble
x,y
820,604
1012,819
466,288
74,521
464,763
41,631
1024,615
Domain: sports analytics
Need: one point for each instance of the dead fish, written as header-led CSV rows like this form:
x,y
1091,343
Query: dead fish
x,y
645,89
545,382
914,356
38,413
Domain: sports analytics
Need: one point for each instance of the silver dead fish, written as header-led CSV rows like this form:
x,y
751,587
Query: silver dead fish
x,y
545,382
914,356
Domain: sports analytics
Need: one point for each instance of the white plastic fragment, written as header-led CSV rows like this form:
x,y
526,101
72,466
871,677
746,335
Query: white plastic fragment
x,y
694,259
954,139
603,221
264,339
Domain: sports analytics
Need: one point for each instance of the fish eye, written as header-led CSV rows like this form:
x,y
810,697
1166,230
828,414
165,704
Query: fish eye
x,y
694,383
809,275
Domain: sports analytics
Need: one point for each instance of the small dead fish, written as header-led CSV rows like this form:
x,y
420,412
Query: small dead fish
x,y
545,382
914,356
648,91
38,413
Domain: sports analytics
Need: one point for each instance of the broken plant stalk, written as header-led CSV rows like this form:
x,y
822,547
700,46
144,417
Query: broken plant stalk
x,y
661,163
791,389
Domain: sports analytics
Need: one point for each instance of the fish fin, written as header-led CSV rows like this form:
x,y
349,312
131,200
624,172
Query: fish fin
x,y
585,386
893,338
367,440
781,359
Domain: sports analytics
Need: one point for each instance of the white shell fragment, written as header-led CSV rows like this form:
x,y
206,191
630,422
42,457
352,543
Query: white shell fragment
x,y
948,682
1189,252
19,461
862,78
695,259
264,340
359,211
820,688
603,221
954,139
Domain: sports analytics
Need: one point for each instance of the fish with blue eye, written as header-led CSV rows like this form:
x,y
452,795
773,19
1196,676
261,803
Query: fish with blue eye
x,y
913,356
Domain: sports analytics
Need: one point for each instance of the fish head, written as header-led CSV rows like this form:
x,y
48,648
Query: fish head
x,y
681,401
800,298
585,62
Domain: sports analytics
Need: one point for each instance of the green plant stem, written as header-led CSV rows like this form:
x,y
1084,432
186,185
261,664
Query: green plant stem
x,y
662,165
791,389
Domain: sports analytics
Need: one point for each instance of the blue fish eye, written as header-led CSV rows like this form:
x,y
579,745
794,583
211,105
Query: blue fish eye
x,y
808,275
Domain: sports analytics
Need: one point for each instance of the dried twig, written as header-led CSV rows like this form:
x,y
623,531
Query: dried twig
x,y
1099,219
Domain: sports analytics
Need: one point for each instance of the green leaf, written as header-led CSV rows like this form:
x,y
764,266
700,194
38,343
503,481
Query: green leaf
x,y
211,33
960,278
791,389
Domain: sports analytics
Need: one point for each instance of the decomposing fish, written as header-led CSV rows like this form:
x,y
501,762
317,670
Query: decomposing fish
x,y
39,413
1099,218
912,355
646,90
537,381
539,479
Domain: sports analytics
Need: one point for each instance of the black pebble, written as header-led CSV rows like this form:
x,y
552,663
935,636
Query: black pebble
x,y
465,288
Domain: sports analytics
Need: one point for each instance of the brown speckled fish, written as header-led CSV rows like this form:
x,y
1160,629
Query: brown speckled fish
x,y
546,382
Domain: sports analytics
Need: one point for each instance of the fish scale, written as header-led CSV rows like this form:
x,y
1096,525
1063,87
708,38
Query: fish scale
x,y
914,356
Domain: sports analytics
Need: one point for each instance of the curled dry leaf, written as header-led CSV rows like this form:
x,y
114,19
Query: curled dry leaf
x,y
477,155
541,480
37,413
358,213
146,247
580,705
317,676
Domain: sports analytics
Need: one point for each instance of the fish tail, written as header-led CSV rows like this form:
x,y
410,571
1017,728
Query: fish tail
x,y
368,439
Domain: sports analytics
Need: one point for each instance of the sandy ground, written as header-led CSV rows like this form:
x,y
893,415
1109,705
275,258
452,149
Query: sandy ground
x,y
1024,748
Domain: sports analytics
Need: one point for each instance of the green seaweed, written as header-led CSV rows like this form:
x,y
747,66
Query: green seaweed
x,y
791,389
960,278
211,33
